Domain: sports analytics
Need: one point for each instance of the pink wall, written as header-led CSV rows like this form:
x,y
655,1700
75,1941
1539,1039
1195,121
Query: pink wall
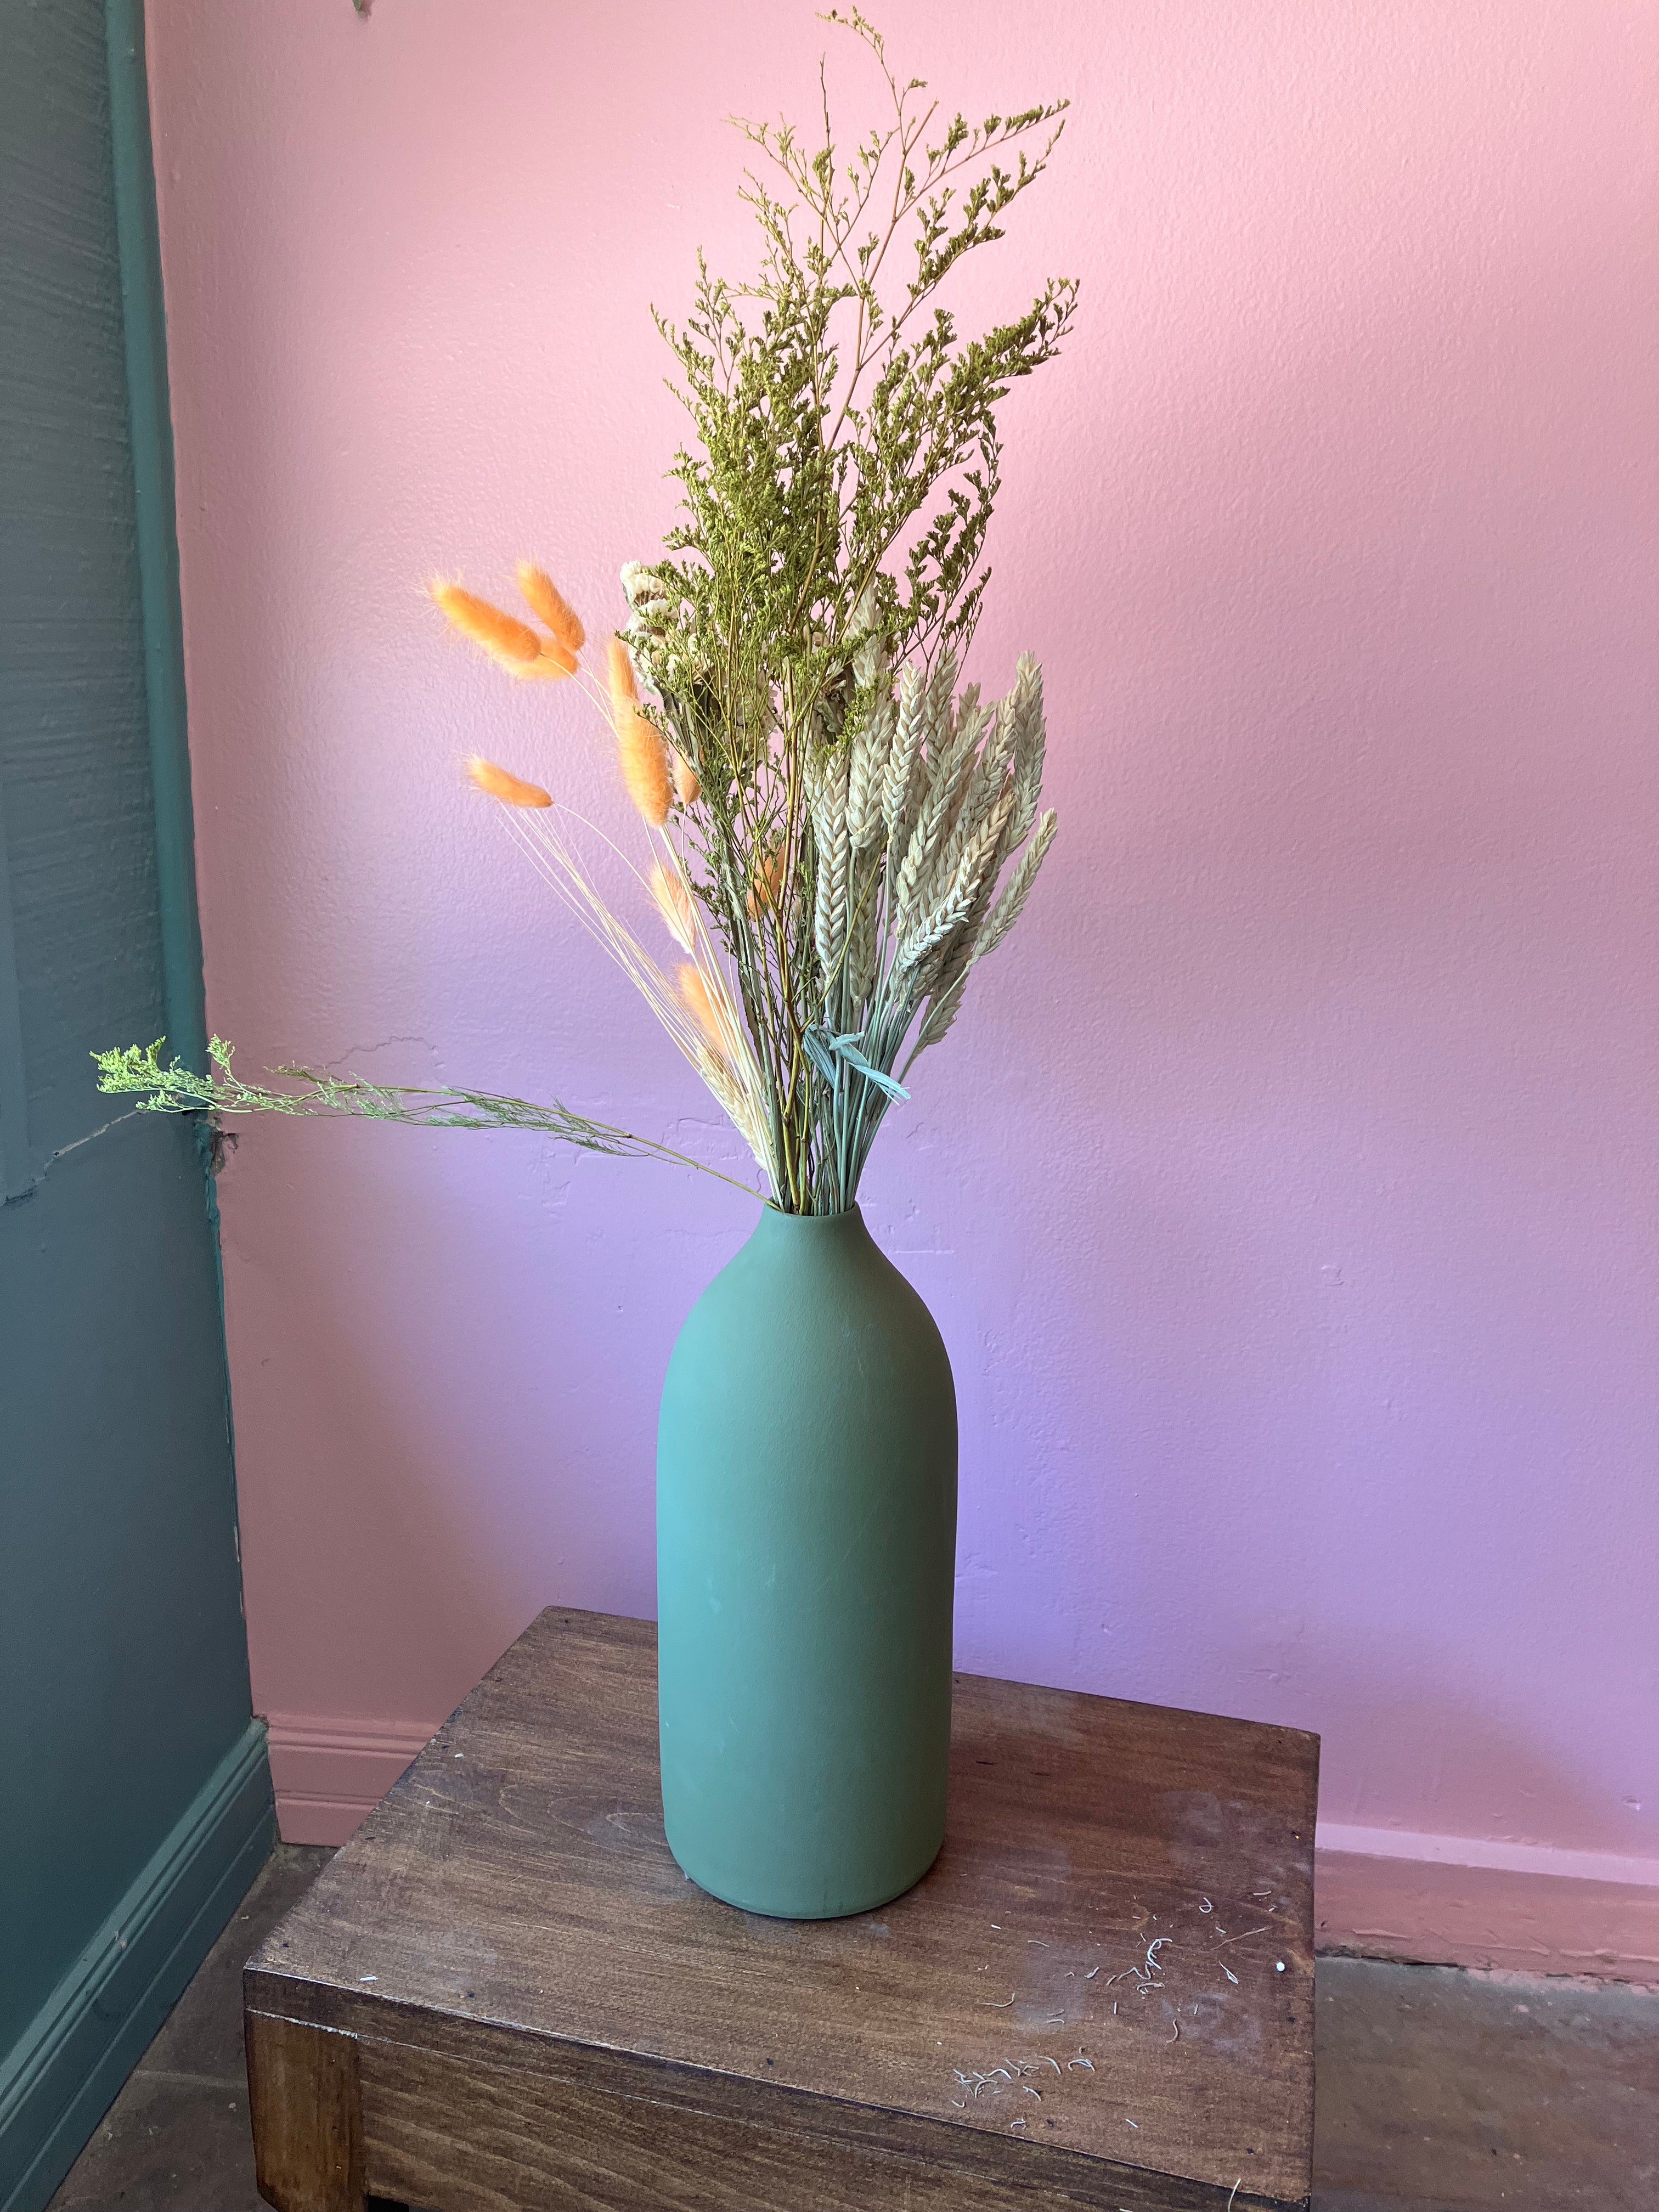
x,y
1288,1197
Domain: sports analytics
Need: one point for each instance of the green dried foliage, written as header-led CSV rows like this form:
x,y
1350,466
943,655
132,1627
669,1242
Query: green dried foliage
x,y
835,506
174,1088
862,834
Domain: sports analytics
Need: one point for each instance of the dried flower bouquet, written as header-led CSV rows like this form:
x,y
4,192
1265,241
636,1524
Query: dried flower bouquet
x,y
837,835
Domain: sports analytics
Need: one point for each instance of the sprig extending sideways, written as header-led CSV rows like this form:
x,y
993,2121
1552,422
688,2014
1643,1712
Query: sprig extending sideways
x,y
175,1089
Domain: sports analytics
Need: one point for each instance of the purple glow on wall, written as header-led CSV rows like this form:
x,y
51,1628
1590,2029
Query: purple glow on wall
x,y
1287,1193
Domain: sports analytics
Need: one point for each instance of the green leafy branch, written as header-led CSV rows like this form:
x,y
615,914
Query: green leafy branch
x,y
175,1089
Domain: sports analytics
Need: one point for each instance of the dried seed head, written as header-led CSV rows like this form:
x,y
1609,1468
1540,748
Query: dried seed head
x,y
904,752
835,860
1006,911
709,1013
544,598
863,942
736,1100
767,882
643,758
624,692
503,636
511,790
869,768
674,900
687,789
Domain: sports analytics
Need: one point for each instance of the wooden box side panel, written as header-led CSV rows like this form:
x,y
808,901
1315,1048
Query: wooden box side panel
x,y
473,2139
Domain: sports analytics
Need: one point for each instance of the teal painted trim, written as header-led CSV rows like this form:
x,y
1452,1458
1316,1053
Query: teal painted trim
x,y
63,2073
16,1166
144,314
151,424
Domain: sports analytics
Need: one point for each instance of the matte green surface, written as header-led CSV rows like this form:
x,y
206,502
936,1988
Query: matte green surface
x,y
806,1511
124,1685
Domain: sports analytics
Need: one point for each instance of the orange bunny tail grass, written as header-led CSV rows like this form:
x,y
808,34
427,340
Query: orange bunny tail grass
x,y
555,659
675,901
624,693
709,1015
503,636
767,882
511,790
644,760
687,789
543,597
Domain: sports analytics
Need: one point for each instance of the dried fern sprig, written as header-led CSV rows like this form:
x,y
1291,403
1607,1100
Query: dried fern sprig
x,y
173,1089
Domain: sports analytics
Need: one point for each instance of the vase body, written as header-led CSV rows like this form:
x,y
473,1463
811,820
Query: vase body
x,y
806,1508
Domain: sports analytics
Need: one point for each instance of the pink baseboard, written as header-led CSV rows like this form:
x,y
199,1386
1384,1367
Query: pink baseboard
x,y
1455,1901
328,1772
1380,1893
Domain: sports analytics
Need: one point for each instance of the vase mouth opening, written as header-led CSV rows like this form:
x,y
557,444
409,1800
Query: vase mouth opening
x,y
812,1220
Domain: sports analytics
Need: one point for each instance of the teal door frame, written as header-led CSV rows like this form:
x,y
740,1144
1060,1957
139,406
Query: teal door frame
x,y
136,1804
150,420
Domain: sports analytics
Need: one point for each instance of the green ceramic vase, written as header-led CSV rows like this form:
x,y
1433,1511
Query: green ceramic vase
x,y
806,1514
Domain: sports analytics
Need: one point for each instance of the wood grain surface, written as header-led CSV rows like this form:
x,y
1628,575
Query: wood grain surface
x,y
1102,1991
305,2100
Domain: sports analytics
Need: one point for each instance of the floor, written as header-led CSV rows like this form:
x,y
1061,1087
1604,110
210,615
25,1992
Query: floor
x,y
1439,2091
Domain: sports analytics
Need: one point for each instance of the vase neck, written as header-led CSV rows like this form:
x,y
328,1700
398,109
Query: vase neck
x,y
776,1231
